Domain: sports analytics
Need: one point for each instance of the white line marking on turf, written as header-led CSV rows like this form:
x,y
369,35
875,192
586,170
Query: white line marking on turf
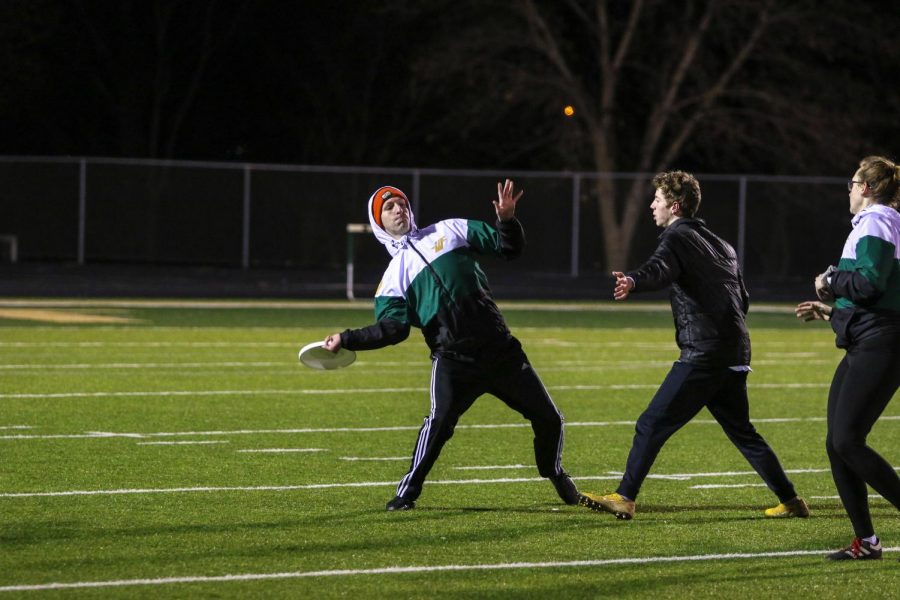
x,y
259,488
185,443
362,484
222,304
414,569
105,434
276,450
148,344
546,366
375,458
343,391
186,365
16,427
675,477
110,434
838,497
362,305
686,476
176,393
492,467
712,486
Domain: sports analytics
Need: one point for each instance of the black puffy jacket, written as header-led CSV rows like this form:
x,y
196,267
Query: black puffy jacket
x,y
709,299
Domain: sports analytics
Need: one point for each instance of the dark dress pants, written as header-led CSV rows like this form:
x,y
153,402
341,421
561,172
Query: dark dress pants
x,y
683,393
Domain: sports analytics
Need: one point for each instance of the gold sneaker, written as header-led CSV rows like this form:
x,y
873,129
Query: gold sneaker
x,y
795,507
611,503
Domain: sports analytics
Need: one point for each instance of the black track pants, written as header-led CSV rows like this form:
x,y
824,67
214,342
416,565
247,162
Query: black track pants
x,y
683,393
455,385
863,385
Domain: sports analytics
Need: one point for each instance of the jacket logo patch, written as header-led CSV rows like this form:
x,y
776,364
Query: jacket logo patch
x,y
439,245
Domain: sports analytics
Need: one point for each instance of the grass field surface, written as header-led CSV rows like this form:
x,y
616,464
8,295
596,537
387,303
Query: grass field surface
x,y
180,450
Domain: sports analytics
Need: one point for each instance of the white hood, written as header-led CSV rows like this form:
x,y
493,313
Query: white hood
x,y
393,246
886,212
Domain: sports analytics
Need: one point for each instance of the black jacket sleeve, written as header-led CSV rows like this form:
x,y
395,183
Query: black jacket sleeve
x,y
855,286
661,269
512,238
386,332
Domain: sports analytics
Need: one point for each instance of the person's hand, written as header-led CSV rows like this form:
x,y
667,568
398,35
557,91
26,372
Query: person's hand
x,y
333,342
823,288
812,310
505,204
624,285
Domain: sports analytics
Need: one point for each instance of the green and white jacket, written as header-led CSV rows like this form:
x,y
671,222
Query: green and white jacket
x,y
866,284
434,283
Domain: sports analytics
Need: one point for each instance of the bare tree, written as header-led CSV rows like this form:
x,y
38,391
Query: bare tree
x,y
652,83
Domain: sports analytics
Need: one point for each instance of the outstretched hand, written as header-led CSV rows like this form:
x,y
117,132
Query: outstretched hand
x,y
505,204
813,310
624,285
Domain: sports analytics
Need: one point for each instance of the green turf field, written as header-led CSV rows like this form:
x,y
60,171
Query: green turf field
x,y
183,452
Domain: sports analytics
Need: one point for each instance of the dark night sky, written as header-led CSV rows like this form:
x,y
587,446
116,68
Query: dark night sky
x,y
450,84
362,82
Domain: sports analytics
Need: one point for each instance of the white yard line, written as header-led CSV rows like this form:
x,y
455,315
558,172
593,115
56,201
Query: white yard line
x,y
375,458
687,476
714,486
401,570
179,393
188,490
577,306
180,303
344,391
148,365
185,443
366,366
493,467
147,344
365,484
873,496
600,306
112,434
282,450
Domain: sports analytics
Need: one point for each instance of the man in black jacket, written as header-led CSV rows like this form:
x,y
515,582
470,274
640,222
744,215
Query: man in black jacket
x,y
709,304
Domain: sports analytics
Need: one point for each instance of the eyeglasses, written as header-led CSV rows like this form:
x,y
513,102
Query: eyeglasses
x,y
850,184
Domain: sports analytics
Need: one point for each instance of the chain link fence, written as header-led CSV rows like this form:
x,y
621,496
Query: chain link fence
x,y
93,211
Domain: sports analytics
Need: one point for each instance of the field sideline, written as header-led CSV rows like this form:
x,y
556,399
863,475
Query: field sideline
x,y
177,448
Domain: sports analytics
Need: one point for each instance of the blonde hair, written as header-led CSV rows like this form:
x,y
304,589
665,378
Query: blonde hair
x,y
680,187
882,175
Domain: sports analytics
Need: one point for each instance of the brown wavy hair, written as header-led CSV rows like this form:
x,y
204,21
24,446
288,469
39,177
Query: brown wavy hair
x,y
680,187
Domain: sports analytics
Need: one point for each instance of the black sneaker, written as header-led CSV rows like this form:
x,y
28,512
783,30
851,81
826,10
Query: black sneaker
x,y
566,489
400,503
858,550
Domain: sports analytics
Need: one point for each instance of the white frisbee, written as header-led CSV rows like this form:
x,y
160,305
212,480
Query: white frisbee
x,y
315,355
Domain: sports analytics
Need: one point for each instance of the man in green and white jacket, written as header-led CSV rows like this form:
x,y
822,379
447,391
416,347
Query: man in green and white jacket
x,y
434,283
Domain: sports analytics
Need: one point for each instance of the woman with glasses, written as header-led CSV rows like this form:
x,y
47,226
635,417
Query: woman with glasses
x,y
865,291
